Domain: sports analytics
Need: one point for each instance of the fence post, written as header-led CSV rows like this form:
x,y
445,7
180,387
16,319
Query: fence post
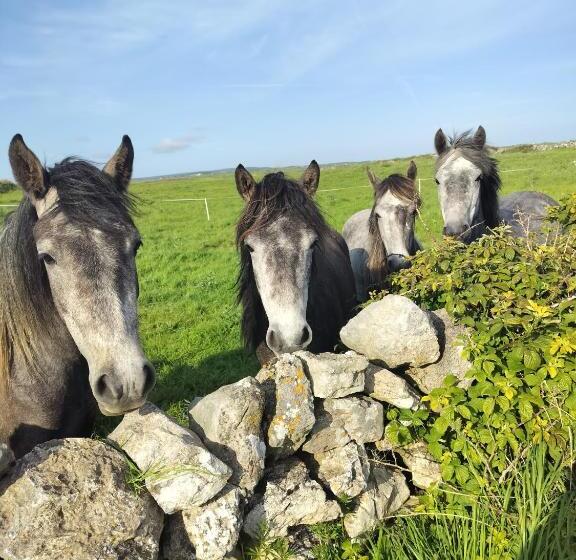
x,y
207,211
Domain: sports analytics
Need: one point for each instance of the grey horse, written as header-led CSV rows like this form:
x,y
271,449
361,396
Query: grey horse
x,y
381,238
468,184
68,305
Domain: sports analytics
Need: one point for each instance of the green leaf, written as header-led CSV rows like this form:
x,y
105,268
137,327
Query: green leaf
x,y
488,406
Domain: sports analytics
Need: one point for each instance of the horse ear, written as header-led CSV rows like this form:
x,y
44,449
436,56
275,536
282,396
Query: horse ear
x,y
374,180
311,178
440,142
244,182
480,137
27,169
412,170
120,165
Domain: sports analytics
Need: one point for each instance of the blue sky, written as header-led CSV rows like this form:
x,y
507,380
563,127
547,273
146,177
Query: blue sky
x,y
208,84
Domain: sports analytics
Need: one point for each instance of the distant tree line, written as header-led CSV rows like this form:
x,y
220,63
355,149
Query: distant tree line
x,y
7,186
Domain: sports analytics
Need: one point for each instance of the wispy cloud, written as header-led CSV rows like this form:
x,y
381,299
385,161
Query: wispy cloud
x,y
171,145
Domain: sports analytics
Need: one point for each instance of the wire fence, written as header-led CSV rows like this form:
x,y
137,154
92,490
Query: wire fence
x,y
206,200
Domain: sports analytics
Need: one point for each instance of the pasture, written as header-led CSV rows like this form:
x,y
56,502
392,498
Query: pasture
x,y
188,265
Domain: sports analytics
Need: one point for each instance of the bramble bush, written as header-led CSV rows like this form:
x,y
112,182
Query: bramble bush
x,y
518,297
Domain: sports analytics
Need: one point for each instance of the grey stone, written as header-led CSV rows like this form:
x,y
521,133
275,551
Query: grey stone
x,y
6,458
229,422
328,433
178,470
290,498
450,336
289,411
362,417
70,499
425,470
345,470
385,386
386,492
394,331
214,527
334,375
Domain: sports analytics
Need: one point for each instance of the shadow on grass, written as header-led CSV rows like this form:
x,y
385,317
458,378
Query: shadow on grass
x,y
178,382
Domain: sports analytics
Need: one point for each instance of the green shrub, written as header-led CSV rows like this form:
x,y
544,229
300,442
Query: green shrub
x,y
519,298
7,186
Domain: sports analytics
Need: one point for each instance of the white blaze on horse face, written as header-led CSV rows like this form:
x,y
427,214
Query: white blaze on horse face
x,y
395,222
459,193
282,260
92,276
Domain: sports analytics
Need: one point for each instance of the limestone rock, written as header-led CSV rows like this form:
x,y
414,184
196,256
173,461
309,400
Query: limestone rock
x,y
179,471
450,335
386,492
175,543
70,499
6,458
344,470
328,433
290,498
229,423
214,528
289,405
394,331
425,470
385,386
334,375
362,417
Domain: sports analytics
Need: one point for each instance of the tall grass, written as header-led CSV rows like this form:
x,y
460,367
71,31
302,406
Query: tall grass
x,y
530,516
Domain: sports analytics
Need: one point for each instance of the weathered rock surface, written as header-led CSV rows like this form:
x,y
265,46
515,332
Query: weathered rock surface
x,y
344,470
385,386
290,498
394,331
6,458
362,417
450,335
214,528
425,470
69,499
328,433
229,423
386,492
289,407
180,472
175,543
334,375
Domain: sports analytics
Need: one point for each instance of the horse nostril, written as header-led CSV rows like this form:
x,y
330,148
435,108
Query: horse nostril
x,y
108,390
306,337
149,378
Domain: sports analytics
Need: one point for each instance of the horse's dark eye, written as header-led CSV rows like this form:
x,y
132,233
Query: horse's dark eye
x,y
437,182
479,178
250,248
46,258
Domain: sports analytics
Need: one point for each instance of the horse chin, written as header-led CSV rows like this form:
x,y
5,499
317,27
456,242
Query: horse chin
x,y
118,412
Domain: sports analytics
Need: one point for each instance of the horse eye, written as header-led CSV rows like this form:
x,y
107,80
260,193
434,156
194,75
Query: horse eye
x,y
479,178
46,258
437,182
249,247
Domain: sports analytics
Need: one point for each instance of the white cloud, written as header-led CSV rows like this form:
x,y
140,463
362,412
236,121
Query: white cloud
x,y
171,145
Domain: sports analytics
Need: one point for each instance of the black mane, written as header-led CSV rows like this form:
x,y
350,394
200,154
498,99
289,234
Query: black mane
x,y
331,274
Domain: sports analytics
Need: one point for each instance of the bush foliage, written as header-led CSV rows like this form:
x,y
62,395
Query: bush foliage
x,y
7,186
519,298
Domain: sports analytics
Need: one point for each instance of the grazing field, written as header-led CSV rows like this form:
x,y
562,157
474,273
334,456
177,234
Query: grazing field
x,y
188,265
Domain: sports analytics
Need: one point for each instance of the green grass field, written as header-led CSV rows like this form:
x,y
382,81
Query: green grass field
x,y
188,265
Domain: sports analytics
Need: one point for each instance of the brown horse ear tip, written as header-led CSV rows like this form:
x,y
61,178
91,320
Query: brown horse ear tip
x,y
17,138
126,139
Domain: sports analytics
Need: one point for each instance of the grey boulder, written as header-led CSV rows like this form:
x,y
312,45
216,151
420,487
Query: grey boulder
x,y
229,423
178,470
394,331
425,470
385,386
70,499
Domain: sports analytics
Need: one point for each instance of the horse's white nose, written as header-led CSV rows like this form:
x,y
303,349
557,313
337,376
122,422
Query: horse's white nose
x,y
282,342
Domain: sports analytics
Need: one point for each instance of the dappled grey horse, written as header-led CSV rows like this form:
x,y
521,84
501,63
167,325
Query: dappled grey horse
x,y
296,284
381,238
68,315
468,184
